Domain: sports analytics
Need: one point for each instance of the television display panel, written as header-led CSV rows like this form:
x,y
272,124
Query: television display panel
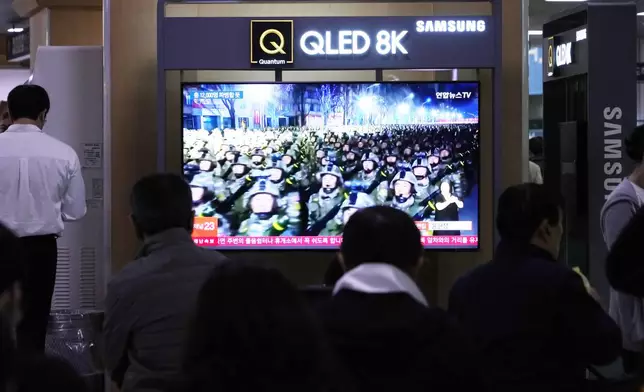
x,y
284,165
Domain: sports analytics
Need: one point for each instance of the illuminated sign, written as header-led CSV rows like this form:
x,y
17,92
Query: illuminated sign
x,y
271,42
361,42
563,54
450,26
559,55
352,42
581,35
458,95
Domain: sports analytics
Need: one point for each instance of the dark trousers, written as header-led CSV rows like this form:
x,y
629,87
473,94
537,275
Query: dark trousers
x,y
40,258
632,362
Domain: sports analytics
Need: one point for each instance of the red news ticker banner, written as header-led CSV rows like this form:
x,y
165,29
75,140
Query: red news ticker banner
x,y
205,234
322,242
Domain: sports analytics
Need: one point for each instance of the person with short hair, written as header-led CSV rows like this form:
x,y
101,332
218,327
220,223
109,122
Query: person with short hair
x,y
533,320
41,187
253,331
379,322
149,302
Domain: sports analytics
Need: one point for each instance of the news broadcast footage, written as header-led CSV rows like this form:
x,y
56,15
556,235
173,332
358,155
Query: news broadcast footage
x,y
286,165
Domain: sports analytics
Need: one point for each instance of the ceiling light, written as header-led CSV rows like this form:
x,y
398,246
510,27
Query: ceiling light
x,y
15,29
535,32
581,35
640,14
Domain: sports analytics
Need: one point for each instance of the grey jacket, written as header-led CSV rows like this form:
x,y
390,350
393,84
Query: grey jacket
x,y
147,309
626,310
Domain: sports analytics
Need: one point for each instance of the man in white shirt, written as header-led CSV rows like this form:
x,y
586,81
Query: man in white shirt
x,y
535,173
41,186
536,156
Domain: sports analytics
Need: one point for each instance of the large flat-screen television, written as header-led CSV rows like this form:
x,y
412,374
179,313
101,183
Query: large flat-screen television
x,y
284,165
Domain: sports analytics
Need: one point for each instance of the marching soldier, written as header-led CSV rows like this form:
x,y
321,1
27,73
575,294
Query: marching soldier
x,y
266,217
329,195
404,187
356,201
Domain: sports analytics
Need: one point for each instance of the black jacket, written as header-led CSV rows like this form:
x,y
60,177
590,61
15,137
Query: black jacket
x,y
390,342
624,266
533,322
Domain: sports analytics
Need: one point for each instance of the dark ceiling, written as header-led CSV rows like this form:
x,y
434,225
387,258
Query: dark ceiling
x,y
7,15
541,11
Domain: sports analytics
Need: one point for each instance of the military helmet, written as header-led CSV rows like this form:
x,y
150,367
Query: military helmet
x,y
263,186
203,181
371,157
404,175
358,200
329,169
420,161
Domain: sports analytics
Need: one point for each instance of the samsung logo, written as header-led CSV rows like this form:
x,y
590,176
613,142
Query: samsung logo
x,y
451,26
612,149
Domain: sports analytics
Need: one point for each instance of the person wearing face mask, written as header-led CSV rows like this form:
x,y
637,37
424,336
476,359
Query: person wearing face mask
x,y
407,154
447,206
452,171
329,197
289,195
296,171
230,156
321,157
235,191
239,171
206,193
404,189
369,173
421,170
351,167
391,164
532,318
42,187
257,160
266,216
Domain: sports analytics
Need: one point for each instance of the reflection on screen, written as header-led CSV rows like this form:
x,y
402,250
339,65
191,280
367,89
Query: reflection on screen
x,y
286,165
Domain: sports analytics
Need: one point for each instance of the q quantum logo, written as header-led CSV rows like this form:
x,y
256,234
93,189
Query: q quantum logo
x,y
551,57
271,43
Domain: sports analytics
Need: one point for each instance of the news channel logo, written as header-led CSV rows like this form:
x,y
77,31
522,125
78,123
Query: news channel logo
x,y
271,43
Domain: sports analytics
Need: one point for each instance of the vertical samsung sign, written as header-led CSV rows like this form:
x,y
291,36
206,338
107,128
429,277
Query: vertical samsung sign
x,y
611,114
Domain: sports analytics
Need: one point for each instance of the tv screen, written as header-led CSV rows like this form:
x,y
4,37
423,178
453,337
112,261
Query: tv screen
x,y
284,165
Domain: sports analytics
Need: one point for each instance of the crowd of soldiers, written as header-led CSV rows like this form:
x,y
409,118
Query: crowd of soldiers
x,y
299,181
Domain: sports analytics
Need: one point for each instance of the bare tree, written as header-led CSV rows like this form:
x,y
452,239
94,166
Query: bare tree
x,y
346,99
330,98
229,103
299,96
